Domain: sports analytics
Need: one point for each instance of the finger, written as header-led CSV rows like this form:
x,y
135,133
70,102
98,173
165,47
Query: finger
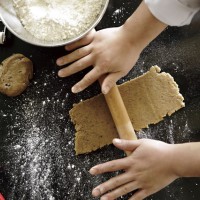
x,y
75,67
111,184
140,195
110,166
124,189
82,42
126,145
75,55
87,80
109,81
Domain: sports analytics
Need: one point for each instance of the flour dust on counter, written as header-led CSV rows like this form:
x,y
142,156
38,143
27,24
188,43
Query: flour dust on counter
x,y
118,15
40,161
121,13
167,131
33,151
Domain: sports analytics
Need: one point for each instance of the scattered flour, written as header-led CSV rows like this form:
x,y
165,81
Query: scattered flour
x,y
58,19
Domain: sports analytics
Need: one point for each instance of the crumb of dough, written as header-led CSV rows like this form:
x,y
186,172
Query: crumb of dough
x,y
15,73
147,98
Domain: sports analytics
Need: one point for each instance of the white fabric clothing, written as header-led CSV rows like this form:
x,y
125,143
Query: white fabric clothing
x,y
174,12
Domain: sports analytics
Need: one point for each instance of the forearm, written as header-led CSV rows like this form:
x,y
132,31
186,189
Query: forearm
x,y
142,27
186,159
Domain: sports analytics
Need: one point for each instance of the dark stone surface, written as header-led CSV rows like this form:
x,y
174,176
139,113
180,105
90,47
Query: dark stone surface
x,y
37,158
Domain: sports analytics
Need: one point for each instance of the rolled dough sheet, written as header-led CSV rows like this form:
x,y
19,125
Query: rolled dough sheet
x,y
147,98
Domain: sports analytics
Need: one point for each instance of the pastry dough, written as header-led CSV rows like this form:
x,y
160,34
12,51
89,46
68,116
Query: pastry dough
x,y
15,74
147,98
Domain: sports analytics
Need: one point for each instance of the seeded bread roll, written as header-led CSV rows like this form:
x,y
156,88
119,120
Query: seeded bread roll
x,y
15,73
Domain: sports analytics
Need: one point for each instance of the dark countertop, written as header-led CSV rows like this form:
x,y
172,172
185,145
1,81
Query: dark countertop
x,y
37,158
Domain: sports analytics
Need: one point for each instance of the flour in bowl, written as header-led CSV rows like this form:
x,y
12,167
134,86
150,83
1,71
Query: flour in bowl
x,y
55,20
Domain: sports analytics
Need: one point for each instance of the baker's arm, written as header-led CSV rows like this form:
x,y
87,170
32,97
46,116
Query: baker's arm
x,y
174,12
112,51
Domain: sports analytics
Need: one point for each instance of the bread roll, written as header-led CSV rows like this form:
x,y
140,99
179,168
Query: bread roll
x,y
15,74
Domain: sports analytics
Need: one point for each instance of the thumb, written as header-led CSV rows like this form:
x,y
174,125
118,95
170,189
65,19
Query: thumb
x,y
126,145
82,42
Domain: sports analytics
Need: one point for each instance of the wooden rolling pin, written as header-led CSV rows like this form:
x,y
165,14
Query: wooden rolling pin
x,y
120,115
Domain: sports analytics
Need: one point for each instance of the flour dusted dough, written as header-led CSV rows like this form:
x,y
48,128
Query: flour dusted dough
x,y
147,98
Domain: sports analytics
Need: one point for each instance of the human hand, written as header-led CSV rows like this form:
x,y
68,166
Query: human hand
x,y
109,52
146,171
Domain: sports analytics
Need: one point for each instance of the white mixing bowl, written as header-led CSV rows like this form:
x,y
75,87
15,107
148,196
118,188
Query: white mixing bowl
x,y
12,22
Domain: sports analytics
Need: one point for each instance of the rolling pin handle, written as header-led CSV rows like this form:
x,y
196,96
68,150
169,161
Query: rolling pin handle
x,y
120,115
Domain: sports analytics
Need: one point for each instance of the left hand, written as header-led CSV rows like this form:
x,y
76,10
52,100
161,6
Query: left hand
x,y
109,51
147,170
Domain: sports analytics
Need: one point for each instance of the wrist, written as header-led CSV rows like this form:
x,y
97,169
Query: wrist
x,y
186,159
